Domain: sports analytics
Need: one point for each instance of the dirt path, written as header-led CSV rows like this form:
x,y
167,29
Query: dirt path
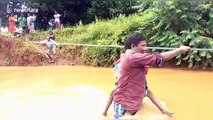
x,y
80,93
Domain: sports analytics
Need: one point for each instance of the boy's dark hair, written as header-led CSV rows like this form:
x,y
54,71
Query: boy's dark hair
x,y
51,35
134,39
50,32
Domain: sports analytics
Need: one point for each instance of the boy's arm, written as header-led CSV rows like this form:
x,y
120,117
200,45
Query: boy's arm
x,y
55,43
39,42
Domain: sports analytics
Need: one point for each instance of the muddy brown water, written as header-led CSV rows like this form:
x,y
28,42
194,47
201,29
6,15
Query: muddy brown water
x,y
80,93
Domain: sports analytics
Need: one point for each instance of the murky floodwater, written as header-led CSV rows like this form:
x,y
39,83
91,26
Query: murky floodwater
x,y
80,93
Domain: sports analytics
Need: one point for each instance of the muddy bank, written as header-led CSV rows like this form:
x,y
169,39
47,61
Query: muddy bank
x,y
14,52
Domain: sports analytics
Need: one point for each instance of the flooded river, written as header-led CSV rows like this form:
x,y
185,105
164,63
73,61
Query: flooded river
x,y
80,93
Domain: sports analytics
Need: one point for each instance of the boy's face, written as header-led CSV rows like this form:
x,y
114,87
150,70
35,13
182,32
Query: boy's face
x,y
141,47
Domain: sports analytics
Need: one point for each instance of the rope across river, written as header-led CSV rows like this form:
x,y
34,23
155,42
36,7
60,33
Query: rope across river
x,y
119,46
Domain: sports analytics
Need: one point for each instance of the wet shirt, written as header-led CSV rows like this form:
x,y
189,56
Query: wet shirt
x,y
50,43
116,65
131,86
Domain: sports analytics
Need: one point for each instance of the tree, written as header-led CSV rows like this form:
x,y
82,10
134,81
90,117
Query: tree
x,y
74,11
183,22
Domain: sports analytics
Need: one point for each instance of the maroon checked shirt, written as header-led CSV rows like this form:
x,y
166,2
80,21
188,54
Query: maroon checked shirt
x,y
131,87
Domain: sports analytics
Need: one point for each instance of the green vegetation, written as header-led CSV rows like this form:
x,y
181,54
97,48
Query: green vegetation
x,y
100,32
165,23
184,23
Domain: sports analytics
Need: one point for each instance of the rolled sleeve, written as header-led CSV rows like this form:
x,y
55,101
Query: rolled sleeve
x,y
143,59
160,58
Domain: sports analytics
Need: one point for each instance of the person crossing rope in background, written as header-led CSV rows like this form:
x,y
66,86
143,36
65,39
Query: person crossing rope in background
x,y
51,45
51,35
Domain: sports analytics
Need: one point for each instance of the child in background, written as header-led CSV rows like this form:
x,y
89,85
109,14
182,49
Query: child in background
x,y
32,26
12,19
28,22
51,35
18,32
51,44
57,20
51,24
